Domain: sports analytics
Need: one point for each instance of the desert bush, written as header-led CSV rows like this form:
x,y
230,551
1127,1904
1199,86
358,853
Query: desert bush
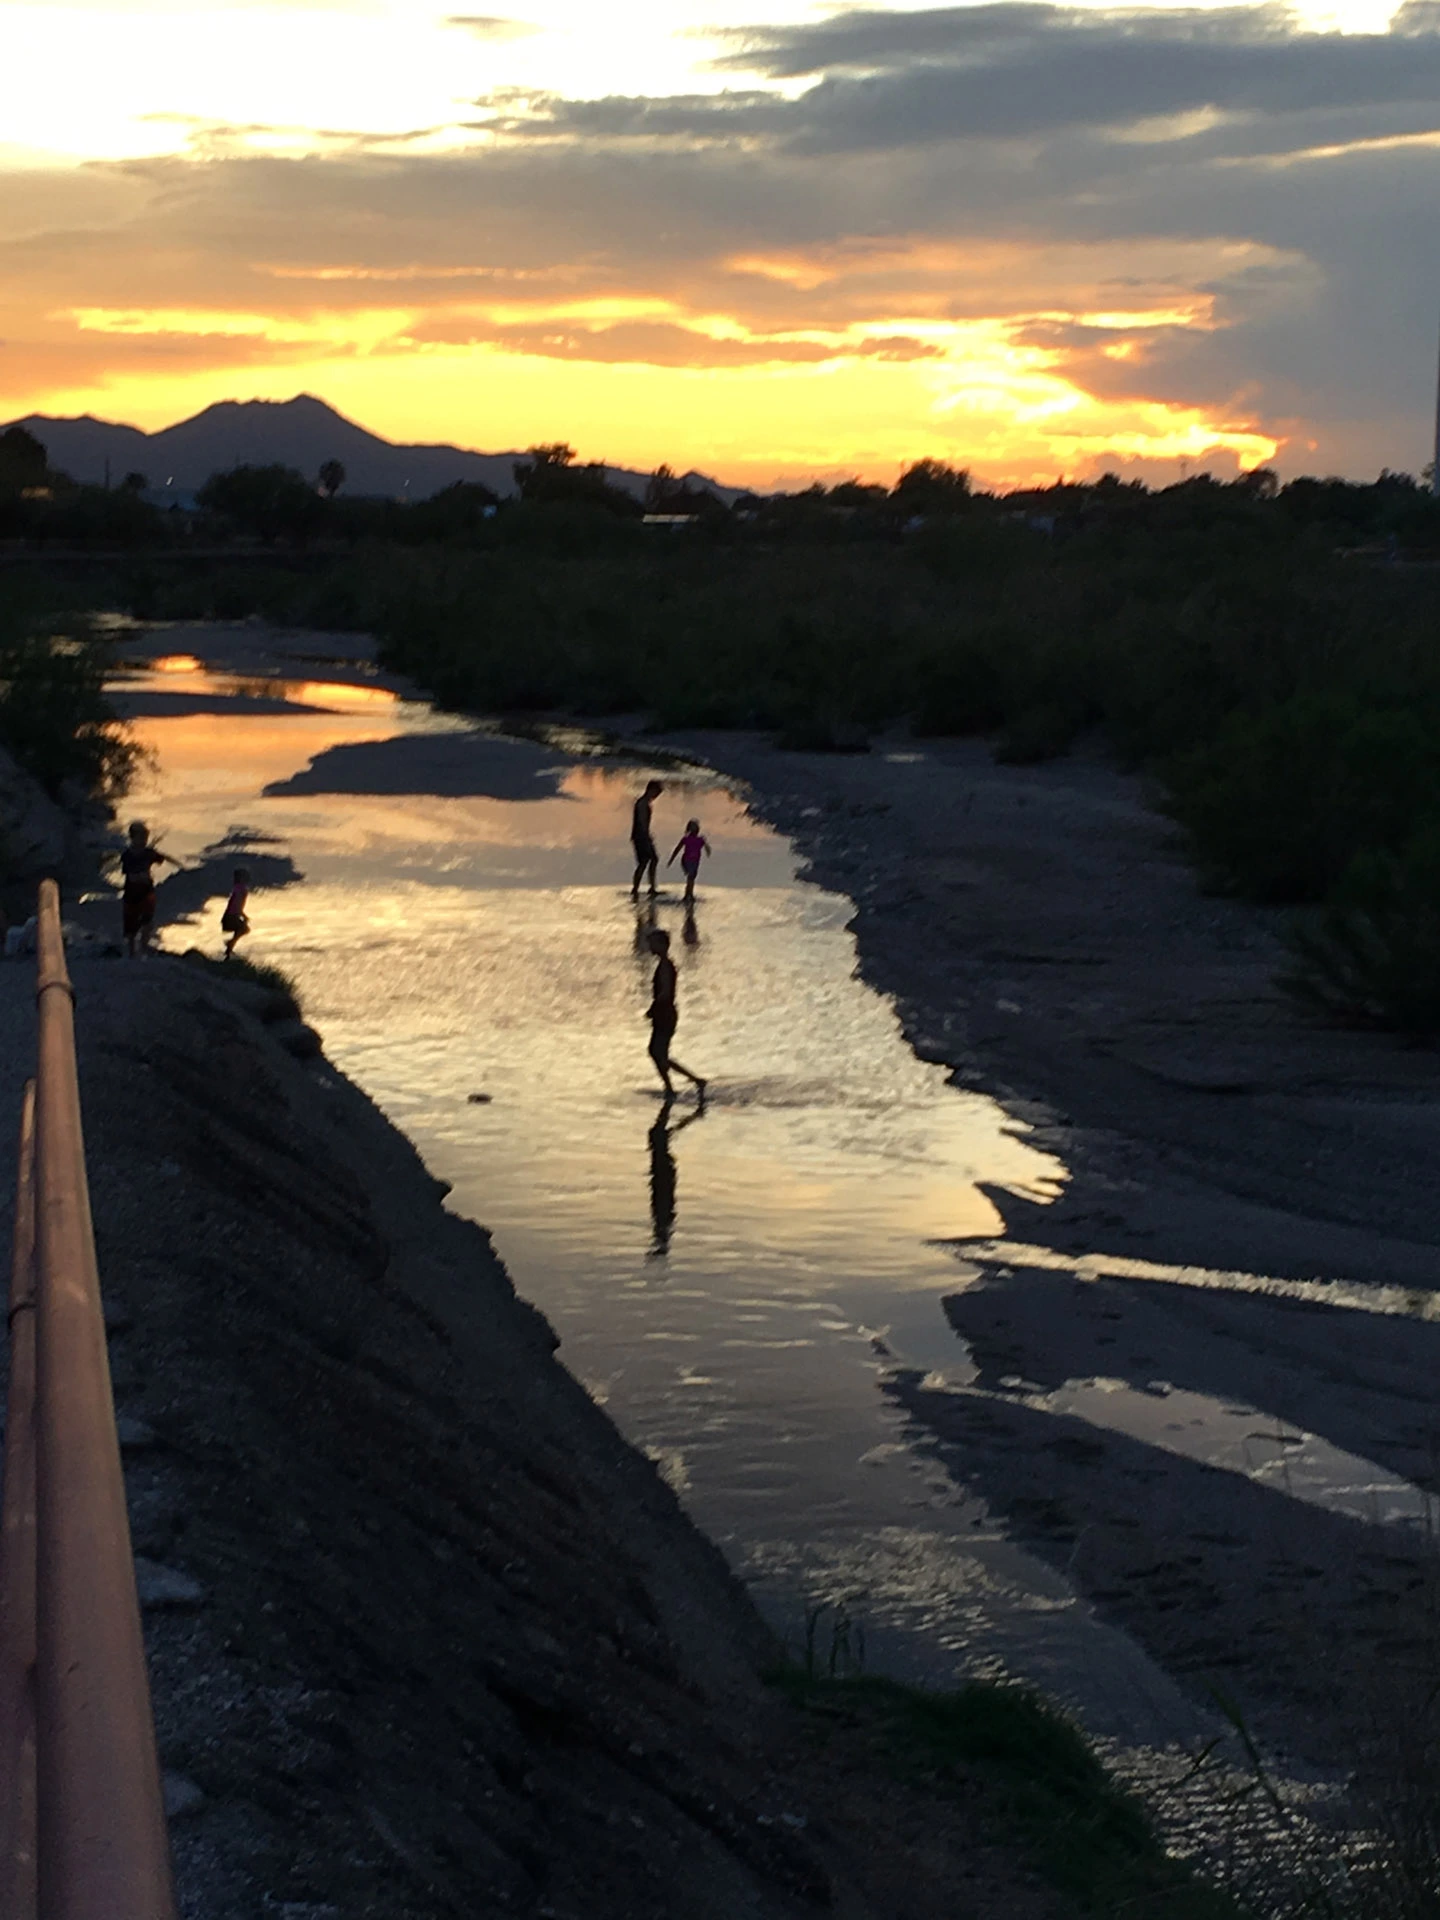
x,y
1371,954
54,717
1281,802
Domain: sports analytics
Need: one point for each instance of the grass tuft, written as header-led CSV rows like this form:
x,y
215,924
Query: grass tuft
x,y
1034,1779
259,973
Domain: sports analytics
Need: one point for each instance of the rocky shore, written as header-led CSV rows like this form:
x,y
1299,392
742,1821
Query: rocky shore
x,y
427,1636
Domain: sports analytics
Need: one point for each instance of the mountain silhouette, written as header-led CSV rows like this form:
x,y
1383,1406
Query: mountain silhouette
x,y
301,433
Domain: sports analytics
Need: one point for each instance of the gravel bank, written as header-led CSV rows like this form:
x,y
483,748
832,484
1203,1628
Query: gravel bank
x,y
1041,933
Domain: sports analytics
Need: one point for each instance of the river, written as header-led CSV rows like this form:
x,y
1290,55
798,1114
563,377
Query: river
x,y
735,1285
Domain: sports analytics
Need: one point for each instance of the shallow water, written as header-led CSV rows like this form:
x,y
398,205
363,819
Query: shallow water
x,y
735,1285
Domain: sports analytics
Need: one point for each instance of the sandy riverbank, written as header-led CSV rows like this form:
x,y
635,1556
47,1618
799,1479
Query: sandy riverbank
x,y
1041,933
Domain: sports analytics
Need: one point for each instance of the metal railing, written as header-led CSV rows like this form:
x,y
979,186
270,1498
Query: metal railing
x,y
82,1824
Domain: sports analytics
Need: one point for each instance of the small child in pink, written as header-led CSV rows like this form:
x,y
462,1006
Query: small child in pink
x,y
690,846
233,920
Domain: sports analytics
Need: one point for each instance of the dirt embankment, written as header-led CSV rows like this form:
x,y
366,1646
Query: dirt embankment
x,y
1042,934
427,1637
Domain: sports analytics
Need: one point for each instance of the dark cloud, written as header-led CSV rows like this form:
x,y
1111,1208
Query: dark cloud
x,y
871,41
1016,71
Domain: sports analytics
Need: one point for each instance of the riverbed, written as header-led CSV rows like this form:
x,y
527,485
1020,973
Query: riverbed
x,y
809,1302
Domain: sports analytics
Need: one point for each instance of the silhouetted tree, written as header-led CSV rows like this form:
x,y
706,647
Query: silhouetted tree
x,y
660,489
268,501
23,460
134,483
930,486
452,514
665,492
536,477
854,493
332,478
549,477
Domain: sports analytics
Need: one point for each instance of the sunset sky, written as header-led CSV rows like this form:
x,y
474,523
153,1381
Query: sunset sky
x,y
772,240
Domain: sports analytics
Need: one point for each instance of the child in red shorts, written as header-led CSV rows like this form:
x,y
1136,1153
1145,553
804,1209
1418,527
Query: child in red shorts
x,y
138,861
233,920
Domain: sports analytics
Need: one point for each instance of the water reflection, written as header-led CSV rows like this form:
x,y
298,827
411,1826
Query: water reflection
x,y
663,1176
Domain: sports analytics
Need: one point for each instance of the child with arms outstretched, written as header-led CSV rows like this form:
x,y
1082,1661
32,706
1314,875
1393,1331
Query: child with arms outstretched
x,y
691,846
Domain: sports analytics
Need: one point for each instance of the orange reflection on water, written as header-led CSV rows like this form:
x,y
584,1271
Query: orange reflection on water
x,y
217,753
341,695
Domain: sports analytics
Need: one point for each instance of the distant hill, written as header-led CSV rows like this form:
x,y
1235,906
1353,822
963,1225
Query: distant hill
x,y
301,433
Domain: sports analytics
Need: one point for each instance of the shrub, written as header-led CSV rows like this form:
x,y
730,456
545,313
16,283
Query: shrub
x,y
1371,955
1280,802
258,973
54,717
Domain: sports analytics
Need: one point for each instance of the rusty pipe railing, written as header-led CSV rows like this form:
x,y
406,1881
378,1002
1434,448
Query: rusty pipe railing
x,y
88,1781
17,1553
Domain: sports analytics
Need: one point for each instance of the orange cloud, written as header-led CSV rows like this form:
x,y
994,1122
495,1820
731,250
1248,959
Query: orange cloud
x,y
498,300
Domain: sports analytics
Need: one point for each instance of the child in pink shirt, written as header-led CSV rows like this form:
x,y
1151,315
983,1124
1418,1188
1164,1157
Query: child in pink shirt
x,y
690,846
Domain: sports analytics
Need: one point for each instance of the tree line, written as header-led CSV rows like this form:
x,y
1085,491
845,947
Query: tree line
x,y
278,505
1265,654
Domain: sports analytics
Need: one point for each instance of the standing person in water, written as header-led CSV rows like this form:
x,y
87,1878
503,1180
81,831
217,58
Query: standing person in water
x,y
233,921
691,845
664,1016
138,861
642,837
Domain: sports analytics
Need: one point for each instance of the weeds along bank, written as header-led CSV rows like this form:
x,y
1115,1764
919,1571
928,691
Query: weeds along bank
x,y
55,722
62,754
1256,652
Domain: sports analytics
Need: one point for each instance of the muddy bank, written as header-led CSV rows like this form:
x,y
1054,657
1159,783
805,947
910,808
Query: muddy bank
x,y
427,1636
1148,1407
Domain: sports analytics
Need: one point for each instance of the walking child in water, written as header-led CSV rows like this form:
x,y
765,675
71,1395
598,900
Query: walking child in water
x,y
642,837
233,920
664,1016
138,861
691,846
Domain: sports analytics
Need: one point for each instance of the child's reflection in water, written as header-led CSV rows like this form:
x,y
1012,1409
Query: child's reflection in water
x,y
644,927
662,1176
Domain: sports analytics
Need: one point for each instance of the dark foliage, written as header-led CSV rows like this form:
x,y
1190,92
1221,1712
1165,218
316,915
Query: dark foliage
x,y
1266,653
54,717
265,502
1031,1777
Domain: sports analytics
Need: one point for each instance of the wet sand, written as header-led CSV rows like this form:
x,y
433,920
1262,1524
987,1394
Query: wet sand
x,y
1211,1455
